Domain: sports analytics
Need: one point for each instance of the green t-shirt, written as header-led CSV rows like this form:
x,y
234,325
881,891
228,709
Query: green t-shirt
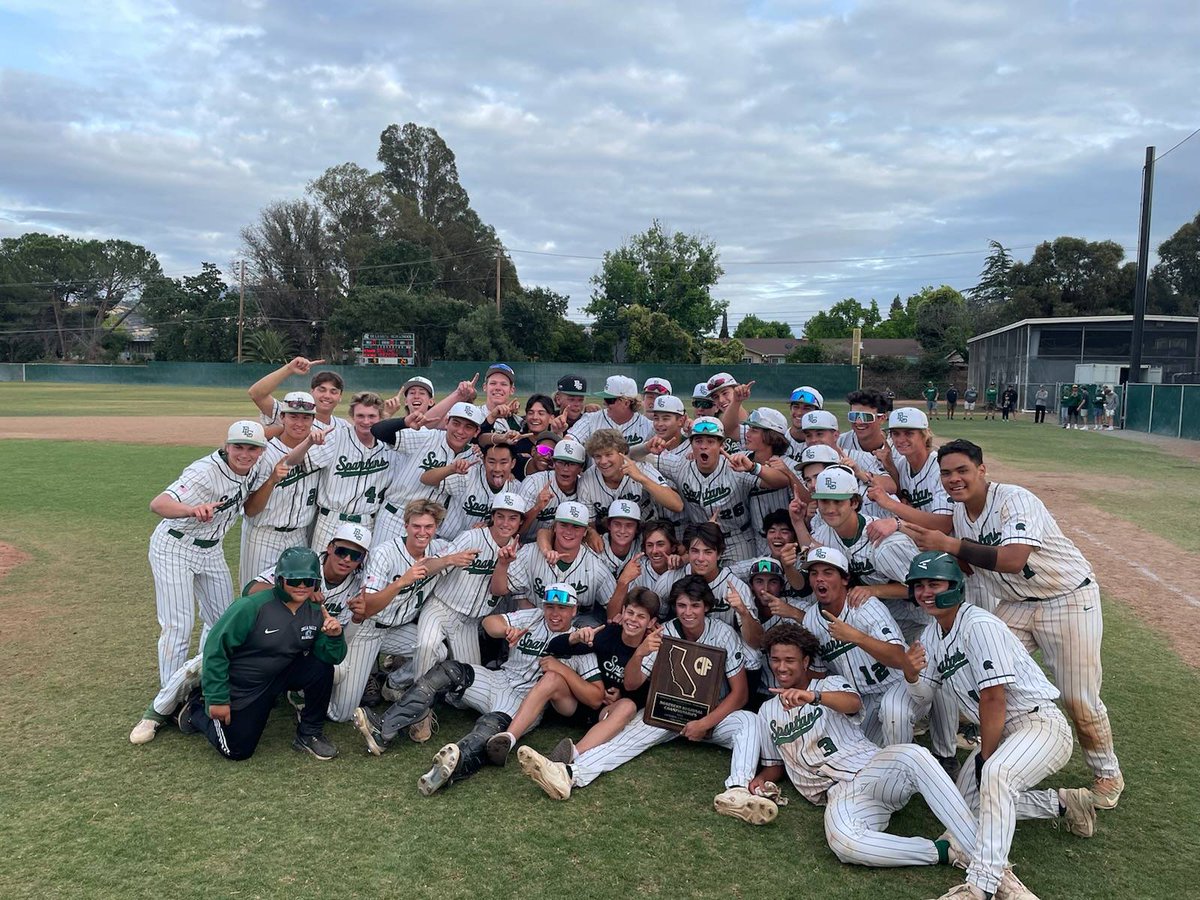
x,y
991,395
930,393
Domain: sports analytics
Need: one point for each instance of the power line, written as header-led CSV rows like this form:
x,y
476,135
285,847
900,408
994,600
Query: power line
x,y
1180,144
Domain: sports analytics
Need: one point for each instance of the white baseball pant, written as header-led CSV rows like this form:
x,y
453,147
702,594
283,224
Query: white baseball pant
x,y
738,732
491,691
1068,630
857,812
185,575
899,712
172,694
260,549
364,643
388,525
440,625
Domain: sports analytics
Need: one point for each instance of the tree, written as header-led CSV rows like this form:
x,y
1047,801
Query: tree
x,y
668,274
942,322
418,165
901,321
530,320
722,353
752,326
993,287
840,320
1178,269
479,336
429,316
810,353
266,345
353,204
195,318
651,336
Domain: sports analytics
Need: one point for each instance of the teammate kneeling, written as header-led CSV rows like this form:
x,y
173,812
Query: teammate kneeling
x,y
265,644
496,694
807,732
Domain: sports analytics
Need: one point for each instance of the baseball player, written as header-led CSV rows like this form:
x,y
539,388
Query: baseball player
x,y
652,389
500,408
621,403
701,402
646,567
417,394
782,546
471,485
263,645
568,398
772,604
1024,738
620,543
764,436
614,476
325,387
809,733
924,501
543,491
668,418
727,725
497,694
801,402
1038,583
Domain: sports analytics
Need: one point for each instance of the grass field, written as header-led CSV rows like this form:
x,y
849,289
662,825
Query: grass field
x,y
84,813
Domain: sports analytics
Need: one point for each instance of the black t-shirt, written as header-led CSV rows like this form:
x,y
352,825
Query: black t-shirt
x,y
612,653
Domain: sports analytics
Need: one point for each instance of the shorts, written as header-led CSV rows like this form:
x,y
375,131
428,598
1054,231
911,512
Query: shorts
x,y
969,405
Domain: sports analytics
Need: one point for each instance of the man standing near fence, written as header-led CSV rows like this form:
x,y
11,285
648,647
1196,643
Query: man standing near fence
x,y
1039,405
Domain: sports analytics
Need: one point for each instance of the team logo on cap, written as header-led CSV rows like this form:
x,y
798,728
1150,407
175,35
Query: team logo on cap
x,y
831,482
359,534
247,431
902,417
511,499
577,384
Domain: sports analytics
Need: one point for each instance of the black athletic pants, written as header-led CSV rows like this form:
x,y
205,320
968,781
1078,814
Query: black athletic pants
x,y
1039,414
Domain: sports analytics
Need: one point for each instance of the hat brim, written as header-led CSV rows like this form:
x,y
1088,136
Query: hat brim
x,y
572,522
567,393
819,496
606,395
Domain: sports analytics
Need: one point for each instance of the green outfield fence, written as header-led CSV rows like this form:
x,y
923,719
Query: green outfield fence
x,y
771,382
1172,410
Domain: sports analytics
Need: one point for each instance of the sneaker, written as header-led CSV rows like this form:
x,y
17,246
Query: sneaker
x,y
967,737
741,804
498,747
563,752
958,857
1080,811
422,730
1105,791
145,730
551,777
966,892
371,694
183,715
315,745
1012,888
370,725
445,761
950,765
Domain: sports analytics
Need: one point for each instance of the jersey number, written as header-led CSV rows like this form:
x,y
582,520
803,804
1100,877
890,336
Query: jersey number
x,y
879,670
312,498
1027,572
373,497
828,747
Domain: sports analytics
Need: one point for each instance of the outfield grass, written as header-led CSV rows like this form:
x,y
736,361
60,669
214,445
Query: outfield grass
x,y
84,813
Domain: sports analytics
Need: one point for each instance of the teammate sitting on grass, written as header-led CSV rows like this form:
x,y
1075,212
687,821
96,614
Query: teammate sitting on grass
x,y
497,694
265,644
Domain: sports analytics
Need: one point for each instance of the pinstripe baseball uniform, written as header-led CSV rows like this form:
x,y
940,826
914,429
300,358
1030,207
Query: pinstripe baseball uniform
x,y
720,585
725,489
187,560
599,496
352,485
1052,604
636,431
470,501
532,486
980,652
871,678
833,764
277,409
741,571
766,680
530,575
924,488
738,731
615,561
761,502
417,451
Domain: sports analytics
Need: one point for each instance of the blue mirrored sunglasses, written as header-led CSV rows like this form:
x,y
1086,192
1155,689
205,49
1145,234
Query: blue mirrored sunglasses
x,y
559,597
799,396
706,428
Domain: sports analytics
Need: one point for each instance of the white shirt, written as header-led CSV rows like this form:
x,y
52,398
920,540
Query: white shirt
x,y
529,575
468,590
532,486
293,501
357,477
851,662
523,667
636,431
470,500
387,563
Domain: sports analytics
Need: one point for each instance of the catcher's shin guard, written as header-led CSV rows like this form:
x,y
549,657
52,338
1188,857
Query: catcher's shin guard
x,y
473,744
446,678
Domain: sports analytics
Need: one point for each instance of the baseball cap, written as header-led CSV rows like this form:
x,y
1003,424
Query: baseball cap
x,y
468,411
708,427
570,450
908,417
502,369
720,381
509,500
656,386
828,555
819,420
244,431
665,403
619,386
623,509
700,391
560,594
819,453
299,402
417,381
572,385
353,534
809,395
836,483
767,419
573,513
766,565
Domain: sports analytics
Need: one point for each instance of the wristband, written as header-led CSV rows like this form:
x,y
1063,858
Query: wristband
x,y
816,700
757,468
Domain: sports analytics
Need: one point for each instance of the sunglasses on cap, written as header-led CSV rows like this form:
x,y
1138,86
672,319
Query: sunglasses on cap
x,y
300,582
716,383
559,597
767,567
861,415
349,553
655,389
706,428
305,405
544,449
702,404
801,396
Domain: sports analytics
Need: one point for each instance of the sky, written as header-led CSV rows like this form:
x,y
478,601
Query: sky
x,y
830,148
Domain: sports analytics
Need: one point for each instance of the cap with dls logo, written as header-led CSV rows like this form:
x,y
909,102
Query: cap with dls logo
x,y
830,556
509,500
572,512
623,509
836,483
353,534
908,417
572,386
246,432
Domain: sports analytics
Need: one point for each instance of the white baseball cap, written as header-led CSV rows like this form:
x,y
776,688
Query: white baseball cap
x,y
768,420
656,386
353,533
819,420
569,450
819,453
908,417
469,411
624,509
708,426
417,381
830,556
509,500
244,431
807,394
299,402
700,391
666,403
573,513
835,483
721,380
560,594
619,386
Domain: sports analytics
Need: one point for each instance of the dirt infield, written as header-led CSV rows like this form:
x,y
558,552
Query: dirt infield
x,y
10,558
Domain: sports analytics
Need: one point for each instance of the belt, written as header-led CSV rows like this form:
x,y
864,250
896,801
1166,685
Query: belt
x,y
344,517
283,530
203,544
392,509
1081,584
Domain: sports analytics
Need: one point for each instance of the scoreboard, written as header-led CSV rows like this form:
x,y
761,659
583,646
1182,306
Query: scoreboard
x,y
387,350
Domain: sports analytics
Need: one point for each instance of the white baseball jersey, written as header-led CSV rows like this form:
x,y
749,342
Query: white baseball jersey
x,y
523,666
615,561
817,746
980,652
470,500
418,451
357,477
715,634
720,585
468,590
1013,515
924,488
335,595
725,491
593,491
529,575
795,448
761,502
860,668
387,563
210,480
532,486
636,431
277,410
293,502
871,563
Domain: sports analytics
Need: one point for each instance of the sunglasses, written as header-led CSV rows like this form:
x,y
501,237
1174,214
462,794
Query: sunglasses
x,y
706,428
655,389
799,396
766,567
860,415
715,384
609,401
559,597
349,553
300,582
543,449
303,405
702,404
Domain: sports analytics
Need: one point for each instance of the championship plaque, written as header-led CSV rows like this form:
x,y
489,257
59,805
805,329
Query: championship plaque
x,y
685,683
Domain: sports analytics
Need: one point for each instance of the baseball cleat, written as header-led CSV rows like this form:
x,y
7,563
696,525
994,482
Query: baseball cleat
x,y
950,765
1012,888
498,747
551,777
741,804
422,730
959,858
966,892
445,761
370,726
315,745
144,731
563,752
371,695
1080,810
1105,791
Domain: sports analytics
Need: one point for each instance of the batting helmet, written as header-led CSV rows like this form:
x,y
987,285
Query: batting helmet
x,y
937,566
297,562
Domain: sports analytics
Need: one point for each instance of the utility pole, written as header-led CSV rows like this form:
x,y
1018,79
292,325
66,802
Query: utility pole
x,y
1143,271
497,284
241,309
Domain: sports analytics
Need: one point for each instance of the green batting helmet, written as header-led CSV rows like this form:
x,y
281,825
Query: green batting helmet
x,y
297,562
937,566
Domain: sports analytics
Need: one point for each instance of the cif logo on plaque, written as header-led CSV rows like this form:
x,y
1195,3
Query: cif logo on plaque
x,y
685,683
